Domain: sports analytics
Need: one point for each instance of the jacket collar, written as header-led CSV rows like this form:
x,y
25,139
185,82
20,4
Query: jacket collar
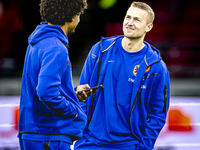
x,y
152,56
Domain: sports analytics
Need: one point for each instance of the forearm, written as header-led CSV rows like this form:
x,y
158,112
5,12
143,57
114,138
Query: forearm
x,y
49,94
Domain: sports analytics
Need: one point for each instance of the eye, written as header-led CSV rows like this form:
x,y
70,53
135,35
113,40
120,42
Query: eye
x,y
137,19
128,17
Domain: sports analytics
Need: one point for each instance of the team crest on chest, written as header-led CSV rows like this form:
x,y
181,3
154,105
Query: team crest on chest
x,y
135,70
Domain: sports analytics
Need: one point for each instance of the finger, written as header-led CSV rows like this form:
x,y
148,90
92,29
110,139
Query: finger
x,y
79,97
84,95
89,93
87,86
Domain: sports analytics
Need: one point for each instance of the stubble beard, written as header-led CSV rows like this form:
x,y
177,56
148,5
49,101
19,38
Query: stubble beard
x,y
132,37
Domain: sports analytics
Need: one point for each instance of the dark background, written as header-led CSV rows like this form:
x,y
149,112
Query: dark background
x,y
175,33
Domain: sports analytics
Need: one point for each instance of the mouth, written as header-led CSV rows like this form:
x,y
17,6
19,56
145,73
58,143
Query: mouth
x,y
129,29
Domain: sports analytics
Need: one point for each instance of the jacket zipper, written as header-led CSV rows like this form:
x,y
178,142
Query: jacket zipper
x,y
94,95
99,69
138,92
135,100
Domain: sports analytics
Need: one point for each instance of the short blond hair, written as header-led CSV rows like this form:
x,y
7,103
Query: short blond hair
x,y
145,7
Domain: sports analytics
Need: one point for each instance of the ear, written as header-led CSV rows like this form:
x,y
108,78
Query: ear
x,y
149,27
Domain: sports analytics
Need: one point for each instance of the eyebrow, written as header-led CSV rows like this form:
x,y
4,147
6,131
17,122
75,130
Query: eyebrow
x,y
127,15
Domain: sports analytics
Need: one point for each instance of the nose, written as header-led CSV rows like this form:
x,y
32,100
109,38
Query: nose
x,y
130,22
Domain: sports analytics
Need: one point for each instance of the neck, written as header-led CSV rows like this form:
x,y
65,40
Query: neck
x,y
132,45
63,27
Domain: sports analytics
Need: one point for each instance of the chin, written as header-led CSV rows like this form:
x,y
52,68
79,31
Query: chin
x,y
129,36
71,31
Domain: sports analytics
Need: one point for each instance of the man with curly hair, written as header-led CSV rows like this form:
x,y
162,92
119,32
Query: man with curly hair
x,y
50,115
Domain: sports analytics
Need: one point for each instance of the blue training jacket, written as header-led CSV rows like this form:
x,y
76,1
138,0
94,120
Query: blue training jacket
x,y
48,103
150,96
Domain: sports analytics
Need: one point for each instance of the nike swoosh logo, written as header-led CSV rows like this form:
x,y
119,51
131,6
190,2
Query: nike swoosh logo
x,y
111,61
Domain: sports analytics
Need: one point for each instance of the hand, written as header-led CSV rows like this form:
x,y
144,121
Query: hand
x,y
84,95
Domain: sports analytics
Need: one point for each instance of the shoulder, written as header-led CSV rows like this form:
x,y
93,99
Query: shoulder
x,y
160,67
53,47
52,43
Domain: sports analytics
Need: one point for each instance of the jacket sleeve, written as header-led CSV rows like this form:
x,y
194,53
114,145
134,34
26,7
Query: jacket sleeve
x,y
53,63
87,71
159,104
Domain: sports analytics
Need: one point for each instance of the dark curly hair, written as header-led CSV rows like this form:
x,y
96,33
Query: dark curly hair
x,y
61,11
